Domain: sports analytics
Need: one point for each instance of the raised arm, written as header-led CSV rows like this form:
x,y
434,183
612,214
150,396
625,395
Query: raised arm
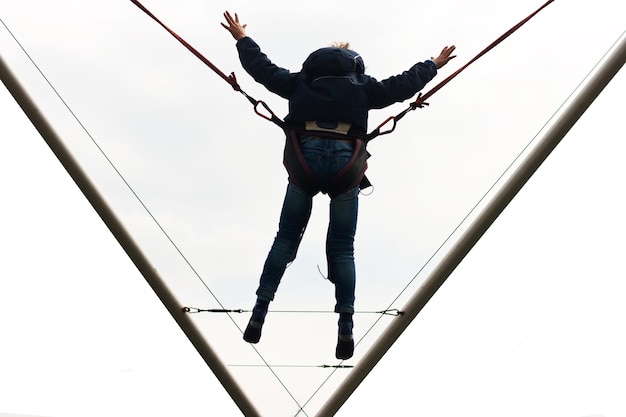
x,y
276,79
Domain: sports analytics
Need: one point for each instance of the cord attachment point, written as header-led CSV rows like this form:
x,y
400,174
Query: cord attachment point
x,y
419,102
232,80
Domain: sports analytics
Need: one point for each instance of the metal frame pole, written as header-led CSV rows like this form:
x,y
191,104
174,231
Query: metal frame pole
x,y
125,240
478,227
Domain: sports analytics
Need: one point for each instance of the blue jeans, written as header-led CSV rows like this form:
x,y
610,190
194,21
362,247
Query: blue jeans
x,y
325,157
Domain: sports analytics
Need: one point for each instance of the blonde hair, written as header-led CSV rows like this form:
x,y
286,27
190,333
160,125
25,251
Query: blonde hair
x,y
342,45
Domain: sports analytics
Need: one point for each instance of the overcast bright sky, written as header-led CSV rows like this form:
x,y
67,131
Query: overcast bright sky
x,y
528,325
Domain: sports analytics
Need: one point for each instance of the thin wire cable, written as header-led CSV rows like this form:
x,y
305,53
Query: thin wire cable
x,y
507,169
110,162
196,310
292,366
130,188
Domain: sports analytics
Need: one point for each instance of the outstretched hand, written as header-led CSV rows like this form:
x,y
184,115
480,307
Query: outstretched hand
x,y
235,28
444,56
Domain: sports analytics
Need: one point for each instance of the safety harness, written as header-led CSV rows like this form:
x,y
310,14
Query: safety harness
x,y
301,175
353,174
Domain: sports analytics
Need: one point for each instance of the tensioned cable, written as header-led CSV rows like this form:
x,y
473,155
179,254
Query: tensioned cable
x,y
484,196
110,162
195,310
130,188
292,366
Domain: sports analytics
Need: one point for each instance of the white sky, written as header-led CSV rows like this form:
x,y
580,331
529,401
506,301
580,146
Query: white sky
x,y
529,324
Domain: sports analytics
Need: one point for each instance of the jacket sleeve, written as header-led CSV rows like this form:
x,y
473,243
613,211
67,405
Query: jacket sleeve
x,y
401,87
276,79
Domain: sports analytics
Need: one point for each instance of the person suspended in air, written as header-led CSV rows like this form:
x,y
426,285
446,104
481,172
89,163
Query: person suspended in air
x,y
329,100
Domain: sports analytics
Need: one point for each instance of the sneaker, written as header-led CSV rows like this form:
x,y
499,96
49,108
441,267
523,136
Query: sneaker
x,y
345,341
345,347
252,334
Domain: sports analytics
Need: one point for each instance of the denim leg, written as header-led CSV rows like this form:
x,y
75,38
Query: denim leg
x,y
294,218
340,248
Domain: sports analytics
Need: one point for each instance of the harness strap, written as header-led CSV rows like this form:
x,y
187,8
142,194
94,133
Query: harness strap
x,y
421,99
353,173
230,79
301,175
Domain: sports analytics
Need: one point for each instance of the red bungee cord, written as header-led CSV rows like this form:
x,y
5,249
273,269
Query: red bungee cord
x,y
421,99
230,79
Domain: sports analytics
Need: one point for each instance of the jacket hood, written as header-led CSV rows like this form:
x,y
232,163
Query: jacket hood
x,y
333,61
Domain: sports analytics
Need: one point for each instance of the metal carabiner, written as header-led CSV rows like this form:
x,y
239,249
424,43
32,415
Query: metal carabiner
x,y
393,127
271,117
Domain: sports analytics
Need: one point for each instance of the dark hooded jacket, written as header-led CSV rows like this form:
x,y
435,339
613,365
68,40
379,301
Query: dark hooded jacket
x,y
332,86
